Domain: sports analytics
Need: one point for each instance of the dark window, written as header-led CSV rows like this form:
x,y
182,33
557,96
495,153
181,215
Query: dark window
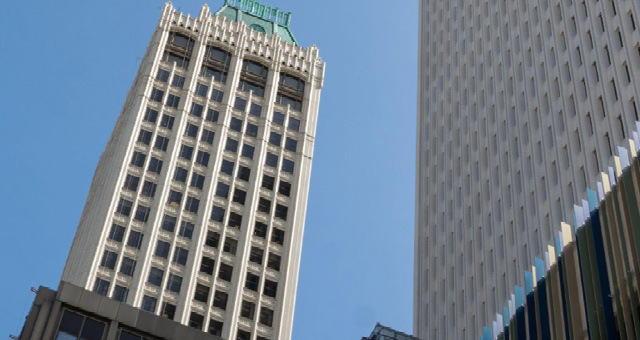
x,y
124,207
162,75
155,165
255,109
196,320
244,173
135,239
180,256
275,139
287,165
149,189
222,190
196,110
186,229
264,205
169,223
191,130
293,83
128,266
273,261
207,265
202,158
291,145
174,199
150,115
207,136
252,282
284,188
186,152
277,236
239,196
270,288
197,180
246,86
226,167
216,95
230,246
155,276
212,115
168,310
180,174
212,240
173,101
215,327
232,145
225,272
240,104
278,118
251,130
101,286
76,326
120,293
149,304
243,335
281,211
201,293
161,143
109,259
201,90
144,137
178,81
171,58
162,249
157,95
220,300
174,282
235,220
266,316
247,151
285,100
192,205
260,229
167,121
294,124
235,124
255,69
217,214
116,233
142,213
271,160
268,182
247,310
138,159
256,255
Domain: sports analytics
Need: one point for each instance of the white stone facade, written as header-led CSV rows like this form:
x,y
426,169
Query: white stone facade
x,y
199,142
520,106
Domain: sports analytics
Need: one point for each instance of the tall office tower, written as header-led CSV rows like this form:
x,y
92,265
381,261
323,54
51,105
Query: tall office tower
x,y
520,106
196,210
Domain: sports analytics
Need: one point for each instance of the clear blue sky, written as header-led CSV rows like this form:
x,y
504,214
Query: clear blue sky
x,y
66,69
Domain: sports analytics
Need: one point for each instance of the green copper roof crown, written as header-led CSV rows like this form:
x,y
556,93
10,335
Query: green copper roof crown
x,y
259,17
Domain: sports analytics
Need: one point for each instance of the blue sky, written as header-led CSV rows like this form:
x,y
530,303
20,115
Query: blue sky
x,y
67,67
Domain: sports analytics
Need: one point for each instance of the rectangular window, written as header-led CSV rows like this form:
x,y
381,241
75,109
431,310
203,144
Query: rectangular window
x,y
155,276
202,158
150,116
232,145
294,124
256,255
239,196
196,110
285,101
252,282
255,109
186,152
109,259
220,300
271,160
240,104
138,159
246,86
128,266
197,181
142,213
281,211
270,288
244,173
201,90
243,335
207,136
186,229
169,223
148,304
191,130
268,182
207,265
247,310
144,137
277,236
162,249
155,165
167,121
230,245
131,182
124,207
275,139
291,144
235,124
178,81
201,293
264,205
287,166
212,240
226,167
247,151
180,174
284,188
149,189
192,205
217,214
101,286
116,233
266,316
216,95
174,282
168,311
196,320
260,229
273,261
278,118
162,75
162,143
173,101
120,293
251,130
73,325
222,190
157,95
225,272
212,115
174,199
235,220
215,327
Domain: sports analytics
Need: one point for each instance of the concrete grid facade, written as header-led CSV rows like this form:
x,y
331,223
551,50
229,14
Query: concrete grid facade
x,y
521,104
197,206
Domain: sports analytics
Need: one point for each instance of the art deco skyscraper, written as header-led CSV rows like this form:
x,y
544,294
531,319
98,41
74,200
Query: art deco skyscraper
x,y
521,104
197,207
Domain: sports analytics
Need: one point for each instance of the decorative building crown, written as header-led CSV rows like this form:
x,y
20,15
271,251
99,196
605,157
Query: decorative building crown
x,y
262,11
